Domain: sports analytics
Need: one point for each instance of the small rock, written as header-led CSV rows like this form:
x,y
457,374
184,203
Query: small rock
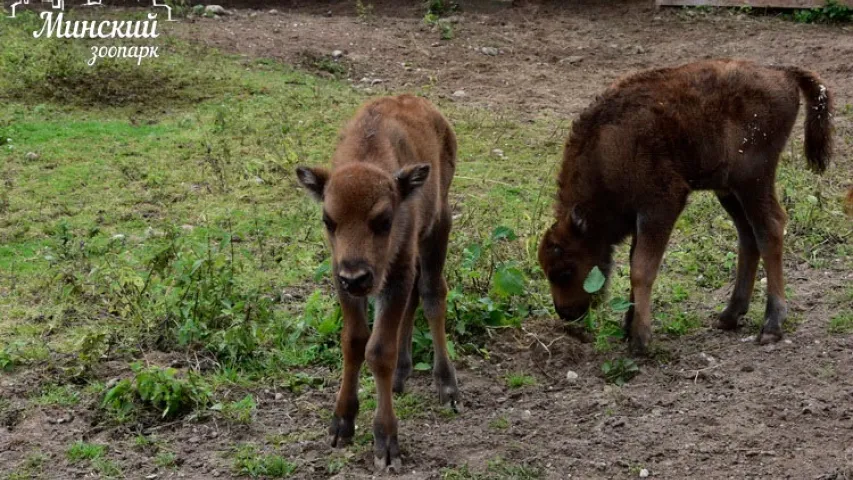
x,y
750,338
194,439
328,13
32,156
764,281
644,473
236,238
273,12
376,81
498,152
490,51
526,415
258,180
707,358
571,377
747,368
572,60
639,50
460,93
807,410
215,10
215,474
337,54
188,228
279,396
112,383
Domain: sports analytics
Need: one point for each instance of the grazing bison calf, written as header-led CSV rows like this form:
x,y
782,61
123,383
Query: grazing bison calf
x,y
387,220
635,155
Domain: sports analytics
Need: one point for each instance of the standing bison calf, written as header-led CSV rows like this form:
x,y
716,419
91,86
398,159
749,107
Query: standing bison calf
x,y
635,155
387,221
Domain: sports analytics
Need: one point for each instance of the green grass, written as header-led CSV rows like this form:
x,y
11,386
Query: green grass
x,y
249,461
842,322
170,220
82,451
519,380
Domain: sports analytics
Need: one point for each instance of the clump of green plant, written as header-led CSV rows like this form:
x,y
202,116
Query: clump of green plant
x,y
63,395
364,11
10,356
81,451
603,320
160,389
619,371
519,380
435,9
831,12
249,461
500,423
842,322
439,8
241,411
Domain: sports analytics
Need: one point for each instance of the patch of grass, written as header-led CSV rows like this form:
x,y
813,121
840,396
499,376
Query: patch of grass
x,y
81,451
497,468
519,380
57,70
679,324
62,395
249,461
157,388
31,468
841,323
499,423
240,411
166,459
106,468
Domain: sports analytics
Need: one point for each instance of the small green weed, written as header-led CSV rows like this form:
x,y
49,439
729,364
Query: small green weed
x,y
248,461
519,380
842,322
500,423
62,395
81,451
619,371
157,388
242,411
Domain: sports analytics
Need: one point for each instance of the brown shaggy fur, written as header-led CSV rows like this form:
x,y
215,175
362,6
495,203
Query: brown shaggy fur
x,y
634,156
387,220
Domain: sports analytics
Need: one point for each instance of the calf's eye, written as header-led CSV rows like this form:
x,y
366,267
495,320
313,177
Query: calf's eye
x,y
330,224
381,224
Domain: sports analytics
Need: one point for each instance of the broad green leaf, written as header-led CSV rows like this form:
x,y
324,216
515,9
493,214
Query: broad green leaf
x,y
594,281
620,304
322,270
502,233
509,281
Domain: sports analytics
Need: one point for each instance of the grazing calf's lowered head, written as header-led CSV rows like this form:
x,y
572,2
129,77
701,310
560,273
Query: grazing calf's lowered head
x,y
387,221
637,152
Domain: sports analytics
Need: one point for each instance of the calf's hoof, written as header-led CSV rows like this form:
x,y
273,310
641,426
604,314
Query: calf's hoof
x,y
386,451
448,389
769,335
341,431
728,320
401,374
639,341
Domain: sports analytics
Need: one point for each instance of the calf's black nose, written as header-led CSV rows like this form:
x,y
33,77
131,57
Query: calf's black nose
x,y
357,283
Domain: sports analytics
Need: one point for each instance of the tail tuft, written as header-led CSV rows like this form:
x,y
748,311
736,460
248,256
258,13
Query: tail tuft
x,y
818,126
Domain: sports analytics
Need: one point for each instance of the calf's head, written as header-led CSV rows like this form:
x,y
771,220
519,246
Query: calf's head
x,y
567,253
365,219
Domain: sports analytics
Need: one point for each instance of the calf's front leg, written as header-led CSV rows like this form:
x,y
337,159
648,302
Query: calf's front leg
x,y
354,338
382,349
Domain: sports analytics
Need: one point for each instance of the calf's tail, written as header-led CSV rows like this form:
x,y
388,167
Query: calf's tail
x,y
818,142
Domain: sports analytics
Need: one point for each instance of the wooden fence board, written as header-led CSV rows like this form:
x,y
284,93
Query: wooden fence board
x,y
751,3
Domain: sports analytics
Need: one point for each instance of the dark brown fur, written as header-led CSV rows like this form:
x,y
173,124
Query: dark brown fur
x,y
634,156
388,221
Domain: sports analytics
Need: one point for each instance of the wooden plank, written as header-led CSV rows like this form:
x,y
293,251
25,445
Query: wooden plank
x,y
750,3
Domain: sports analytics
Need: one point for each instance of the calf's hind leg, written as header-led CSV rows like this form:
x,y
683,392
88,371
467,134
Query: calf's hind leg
x,y
433,290
404,355
747,264
768,224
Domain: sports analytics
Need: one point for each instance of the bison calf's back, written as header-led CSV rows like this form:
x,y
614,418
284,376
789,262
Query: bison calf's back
x,y
387,221
637,152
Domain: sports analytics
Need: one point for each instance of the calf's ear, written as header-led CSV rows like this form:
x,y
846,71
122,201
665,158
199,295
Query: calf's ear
x,y
314,180
410,178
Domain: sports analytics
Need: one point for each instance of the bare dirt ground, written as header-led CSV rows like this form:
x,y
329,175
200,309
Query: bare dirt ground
x,y
779,411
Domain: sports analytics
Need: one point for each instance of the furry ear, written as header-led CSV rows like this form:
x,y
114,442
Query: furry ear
x,y
314,180
410,178
579,224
